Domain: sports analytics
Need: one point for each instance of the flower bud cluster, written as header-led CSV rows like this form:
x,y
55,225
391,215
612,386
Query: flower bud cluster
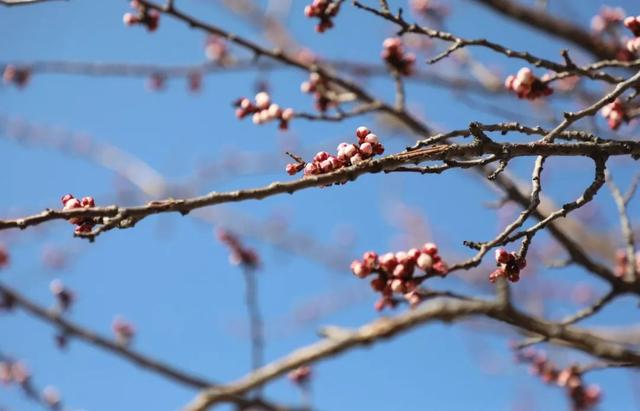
x,y
263,110
148,18
83,225
396,272
18,76
394,54
582,397
615,113
526,85
325,11
14,372
240,255
509,266
347,155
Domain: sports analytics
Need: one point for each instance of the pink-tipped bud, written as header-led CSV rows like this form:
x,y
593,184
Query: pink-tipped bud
x,y
502,256
359,269
88,202
425,262
263,100
397,286
366,149
371,139
362,132
321,156
287,114
430,248
66,198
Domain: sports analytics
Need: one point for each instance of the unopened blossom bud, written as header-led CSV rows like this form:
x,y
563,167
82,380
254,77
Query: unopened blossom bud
x,y
359,269
502,256
263,100
287,114
366,149
430,248
425,262
397,286
362,132
371,139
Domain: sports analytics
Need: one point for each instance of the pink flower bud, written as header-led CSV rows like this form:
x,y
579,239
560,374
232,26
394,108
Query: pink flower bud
x,y
263,100
320,156
371,139
359,269
356,159
397,286
362,132
310,169
388,261
88,202
425,262
129,19
287,114
366,149
430,248
502,256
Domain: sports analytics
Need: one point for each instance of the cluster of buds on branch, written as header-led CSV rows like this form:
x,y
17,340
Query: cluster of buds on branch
x,y
622,261
14,372
607,19
148,18
4,256
325,11
123,330
18,76
582,397
394,54
263,110
509,266
301,375
615,113
83,225
240,255
633,24
64,297
321,91
347,155
395,273
526,85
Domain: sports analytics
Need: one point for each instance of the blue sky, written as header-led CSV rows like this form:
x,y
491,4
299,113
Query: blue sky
x,y
171,277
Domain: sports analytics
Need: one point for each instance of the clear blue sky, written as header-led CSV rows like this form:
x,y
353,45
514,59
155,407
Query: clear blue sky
x,y
171,277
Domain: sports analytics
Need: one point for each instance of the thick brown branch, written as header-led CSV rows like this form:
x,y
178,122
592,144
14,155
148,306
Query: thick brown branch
x,y
340,340
128,216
